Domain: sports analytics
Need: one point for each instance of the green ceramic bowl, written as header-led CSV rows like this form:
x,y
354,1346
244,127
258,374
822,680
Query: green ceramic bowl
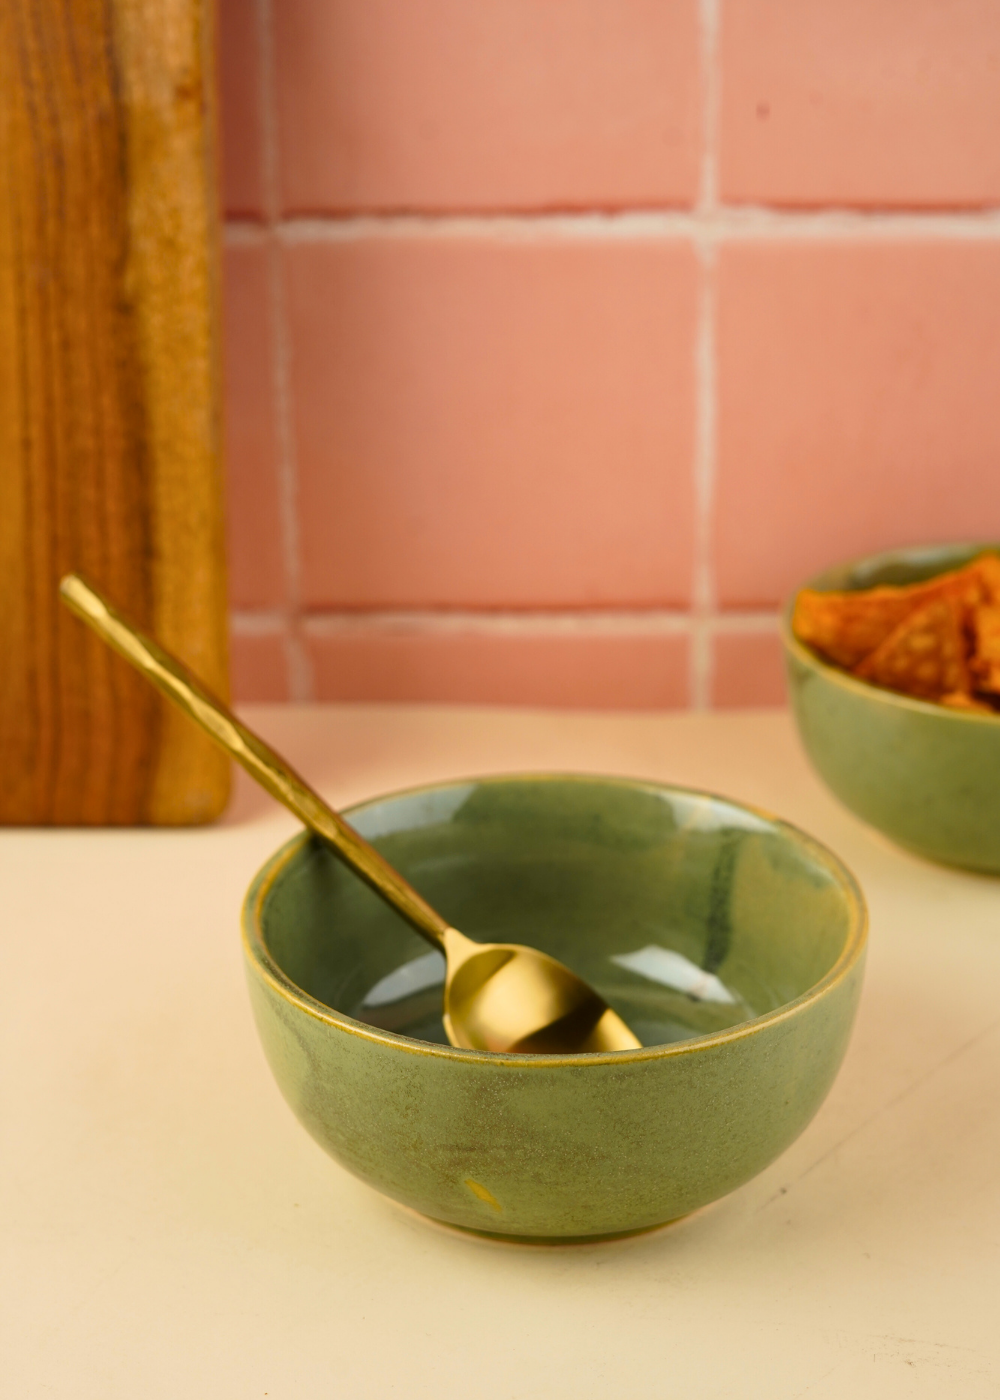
x,y
731,943
926,776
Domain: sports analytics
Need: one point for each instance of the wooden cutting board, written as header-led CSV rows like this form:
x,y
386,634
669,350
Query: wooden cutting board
x,y
109,403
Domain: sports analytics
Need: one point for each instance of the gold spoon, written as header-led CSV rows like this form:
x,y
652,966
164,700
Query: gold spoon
x,y
497,996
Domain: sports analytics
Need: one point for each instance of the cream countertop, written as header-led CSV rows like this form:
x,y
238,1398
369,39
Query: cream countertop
x,y
169,1229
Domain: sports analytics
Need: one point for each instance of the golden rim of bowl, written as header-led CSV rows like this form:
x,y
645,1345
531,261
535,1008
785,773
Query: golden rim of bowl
x,y
260,958
879,693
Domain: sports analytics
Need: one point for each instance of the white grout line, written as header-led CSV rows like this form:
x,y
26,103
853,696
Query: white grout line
x,y
748,223
705,225
244,622
299,675
245,233
587,225
498,624
248,622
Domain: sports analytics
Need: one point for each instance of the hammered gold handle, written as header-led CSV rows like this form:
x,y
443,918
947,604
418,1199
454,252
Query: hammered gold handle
x,y
179,684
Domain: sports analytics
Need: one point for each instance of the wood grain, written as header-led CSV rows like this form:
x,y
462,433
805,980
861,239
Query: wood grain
x,y
109,394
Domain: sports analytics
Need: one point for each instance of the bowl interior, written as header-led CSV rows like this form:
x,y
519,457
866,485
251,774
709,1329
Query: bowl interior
x,y
688,913
898,567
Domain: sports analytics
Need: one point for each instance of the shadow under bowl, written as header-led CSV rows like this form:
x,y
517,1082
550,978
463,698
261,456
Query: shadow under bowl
x,y
732,943
926,776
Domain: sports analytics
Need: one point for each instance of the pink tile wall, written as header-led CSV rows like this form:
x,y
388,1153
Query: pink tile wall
x,y
256,554
747,670
563,341
473,665
493,424
858,393
877,103
240,93
499,104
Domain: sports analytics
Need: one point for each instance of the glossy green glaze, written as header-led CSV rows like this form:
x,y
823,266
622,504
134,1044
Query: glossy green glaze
x,y
722,920
927,776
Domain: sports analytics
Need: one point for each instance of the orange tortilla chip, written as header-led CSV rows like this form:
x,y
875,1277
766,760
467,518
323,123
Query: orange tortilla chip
x,y
959,700
971,585
988,568
925,655
846,627
985,663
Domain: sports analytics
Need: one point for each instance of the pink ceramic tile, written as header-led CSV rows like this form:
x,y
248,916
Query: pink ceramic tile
x,y
493,424
858,406
239,108
256,573
568,672
747,670
872,102
498,104
258,670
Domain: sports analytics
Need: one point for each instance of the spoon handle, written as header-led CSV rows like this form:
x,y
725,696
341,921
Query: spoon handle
x,y
179,684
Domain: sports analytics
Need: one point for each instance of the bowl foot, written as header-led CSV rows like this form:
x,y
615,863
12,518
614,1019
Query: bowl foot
x,y
541,1241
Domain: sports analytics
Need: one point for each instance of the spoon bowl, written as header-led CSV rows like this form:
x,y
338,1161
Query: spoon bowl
x,y
512,999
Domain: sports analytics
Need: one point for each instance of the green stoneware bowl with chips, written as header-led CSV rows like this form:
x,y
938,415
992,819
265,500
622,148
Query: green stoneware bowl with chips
x,y
925,775
732,943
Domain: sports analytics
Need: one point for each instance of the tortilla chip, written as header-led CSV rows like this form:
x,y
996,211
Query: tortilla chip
x,y
971,585
846,627
959,700
985,663
925,656
988,568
